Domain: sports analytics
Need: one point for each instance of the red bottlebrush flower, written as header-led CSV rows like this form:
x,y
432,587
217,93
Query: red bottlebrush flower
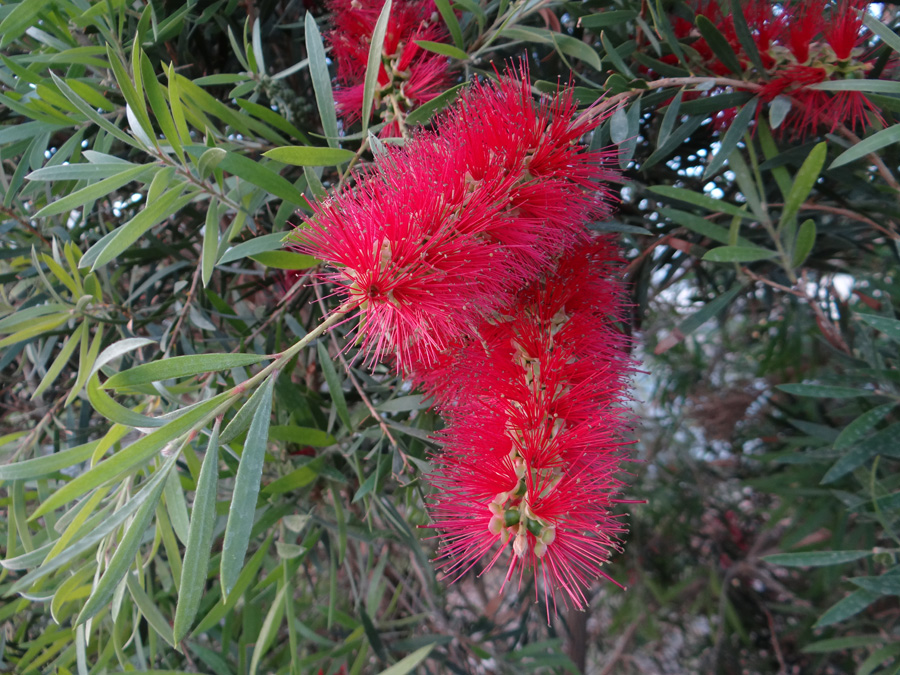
x,y
496,130
535,434
852,109
842,32
803,21
410,261
408,74
442,232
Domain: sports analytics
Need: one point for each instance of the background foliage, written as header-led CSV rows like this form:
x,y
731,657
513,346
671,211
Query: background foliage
x,y
193,481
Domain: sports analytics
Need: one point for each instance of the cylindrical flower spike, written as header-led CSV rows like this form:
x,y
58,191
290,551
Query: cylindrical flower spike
x,y
536,431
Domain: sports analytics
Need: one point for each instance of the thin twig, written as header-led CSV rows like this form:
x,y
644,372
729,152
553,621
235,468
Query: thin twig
x,y
847,213
184,310
773,635
359,390
621,644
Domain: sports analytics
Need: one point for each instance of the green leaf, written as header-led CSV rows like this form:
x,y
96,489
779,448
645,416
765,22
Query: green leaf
x,y
449,17
882,443
563,43
285,260
200,538
890,327
408,663
93,192
739,254
842,643
309,156
301,436
151,612
744,36
373,65
735,133
334,385
613,55
271,623
803,182
823,390
816,558
267,242
48,464
670,117
226,604
889,37
62,359
246,491
719,45
126,459
884,585
180,366
255,173
321,79
295,480
674,139
105,251
859,427
209,161
406,403
272,118
697,199
176,507
875,86
210,247
709,310
779,108
806,239
22,16
85,108
847,607
124,553
609,18
424,112
443,49
82,171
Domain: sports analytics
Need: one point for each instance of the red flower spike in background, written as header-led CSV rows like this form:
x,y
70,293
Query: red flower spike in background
x,y
408,73
801,44
442,232
536,432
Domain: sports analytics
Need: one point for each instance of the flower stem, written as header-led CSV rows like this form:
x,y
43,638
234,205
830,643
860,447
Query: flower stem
x,y
282,358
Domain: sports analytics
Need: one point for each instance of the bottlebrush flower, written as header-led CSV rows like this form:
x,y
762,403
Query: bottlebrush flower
x,y
536,430
408,74
443,232
800,43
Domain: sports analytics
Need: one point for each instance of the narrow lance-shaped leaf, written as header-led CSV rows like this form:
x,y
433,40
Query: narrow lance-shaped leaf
x,y
374,63
803,183
321,79
816,558
180,366
127,548
334,385
196,555
246,491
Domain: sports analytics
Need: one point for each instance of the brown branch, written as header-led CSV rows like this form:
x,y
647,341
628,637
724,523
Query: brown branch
x,y
184,310
847,213
621,644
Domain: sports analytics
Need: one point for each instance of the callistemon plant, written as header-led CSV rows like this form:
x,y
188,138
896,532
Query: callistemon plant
x,y
408,75
465,257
